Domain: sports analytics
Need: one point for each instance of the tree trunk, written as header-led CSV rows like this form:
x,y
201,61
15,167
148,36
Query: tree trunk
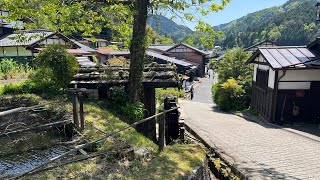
x,y
138,47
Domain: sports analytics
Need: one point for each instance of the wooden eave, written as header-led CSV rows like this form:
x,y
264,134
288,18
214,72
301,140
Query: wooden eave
x,y
51,35
190,47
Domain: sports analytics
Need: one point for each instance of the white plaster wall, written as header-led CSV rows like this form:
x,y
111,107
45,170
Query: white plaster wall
x,y
272,76
10,51
255,67
295,85
263,67
23,52
301,75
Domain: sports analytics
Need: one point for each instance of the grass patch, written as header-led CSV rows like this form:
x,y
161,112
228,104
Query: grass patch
x,y
175,162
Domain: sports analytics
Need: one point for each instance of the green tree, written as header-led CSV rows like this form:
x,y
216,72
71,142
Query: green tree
x,y
233,65
88,17
233,91
57,65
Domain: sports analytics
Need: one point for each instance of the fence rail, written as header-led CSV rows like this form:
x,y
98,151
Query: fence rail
x,y
97,141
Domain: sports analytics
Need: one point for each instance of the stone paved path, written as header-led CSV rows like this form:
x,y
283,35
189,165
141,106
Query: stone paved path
x,y
260,151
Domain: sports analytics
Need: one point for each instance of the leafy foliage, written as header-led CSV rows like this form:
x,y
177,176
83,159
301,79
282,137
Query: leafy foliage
x,y
118,61
119,103
155,38
56,65
168,28
10,69
233,90
161,94
228,95
290,24
30,86
233,65
88,17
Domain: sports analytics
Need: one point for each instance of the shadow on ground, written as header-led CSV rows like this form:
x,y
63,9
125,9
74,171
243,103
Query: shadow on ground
x,y
267,172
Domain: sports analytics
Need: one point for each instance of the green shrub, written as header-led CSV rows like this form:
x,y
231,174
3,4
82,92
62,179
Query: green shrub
x,y
8,68
57,64
229,95
118,102
161,94
29,86
133,111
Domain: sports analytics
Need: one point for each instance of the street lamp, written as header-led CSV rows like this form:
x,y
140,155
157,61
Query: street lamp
x,y
318,11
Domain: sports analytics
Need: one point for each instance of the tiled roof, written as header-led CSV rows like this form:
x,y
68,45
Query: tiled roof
x,y
24,38
285,57
161,47
195,49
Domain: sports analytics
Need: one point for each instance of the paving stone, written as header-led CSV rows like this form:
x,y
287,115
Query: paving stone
x,y
260,151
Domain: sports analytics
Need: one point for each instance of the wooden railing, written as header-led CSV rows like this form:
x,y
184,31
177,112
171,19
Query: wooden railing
x,y
97,141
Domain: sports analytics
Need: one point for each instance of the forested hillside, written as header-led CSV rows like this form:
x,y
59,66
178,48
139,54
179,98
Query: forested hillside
x,y
167,27
293,23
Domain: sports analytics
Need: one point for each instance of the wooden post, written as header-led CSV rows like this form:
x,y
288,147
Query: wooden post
x,y
81,111
161,140
181,134
149,128
75,109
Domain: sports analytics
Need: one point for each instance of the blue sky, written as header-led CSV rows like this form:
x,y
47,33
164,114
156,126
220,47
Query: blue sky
x,y
237,9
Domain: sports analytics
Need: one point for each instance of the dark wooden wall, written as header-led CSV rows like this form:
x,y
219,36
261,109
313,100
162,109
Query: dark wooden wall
x,y
262,101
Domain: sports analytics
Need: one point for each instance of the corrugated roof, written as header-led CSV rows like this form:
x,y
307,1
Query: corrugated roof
x,y
83,47
285,57
24,38
169,59
84,61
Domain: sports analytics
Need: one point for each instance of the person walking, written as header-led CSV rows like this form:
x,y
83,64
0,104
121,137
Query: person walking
x,y
191,92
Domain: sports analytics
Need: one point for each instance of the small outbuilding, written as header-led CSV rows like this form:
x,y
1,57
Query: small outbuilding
x,y
286,84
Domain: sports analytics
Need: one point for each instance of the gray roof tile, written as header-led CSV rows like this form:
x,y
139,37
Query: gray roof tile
x,y
23,38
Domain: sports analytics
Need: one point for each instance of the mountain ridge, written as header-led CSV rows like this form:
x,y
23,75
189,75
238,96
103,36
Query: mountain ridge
x,y
292,23
167,27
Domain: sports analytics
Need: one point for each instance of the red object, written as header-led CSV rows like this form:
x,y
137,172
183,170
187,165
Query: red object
x,y
77,51
105,51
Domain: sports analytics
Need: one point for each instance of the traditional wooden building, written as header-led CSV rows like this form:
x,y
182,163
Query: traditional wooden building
x,y
94,42
286,84
22,46
184,52
264,43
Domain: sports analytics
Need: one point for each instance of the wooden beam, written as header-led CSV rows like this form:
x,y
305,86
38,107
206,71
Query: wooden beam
x,y
161,140
20,109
